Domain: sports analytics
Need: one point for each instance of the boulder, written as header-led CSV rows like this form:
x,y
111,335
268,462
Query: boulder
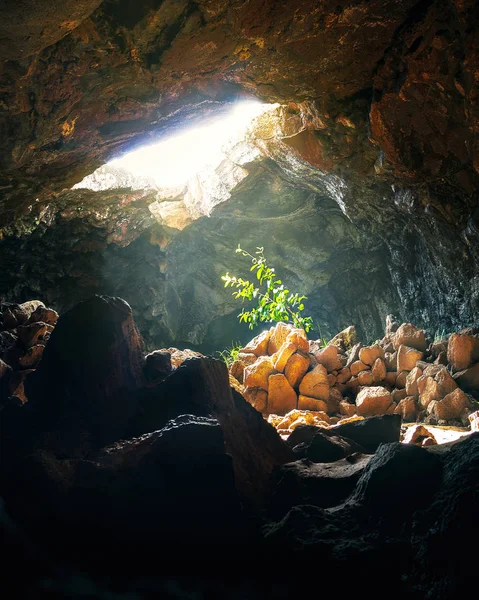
x,y
391,361
308,403
417,434
428,390
329,358
379,370
281,396
324,448
409,335
315,384
353,354
356,367
257,397
346,338
445,382
462,350
32,357
372,431
390,378
257,374
345,408
369,354
469,378
44,314
452,406
259,344
365,378
278,336
30,335
283,355
157,365
298,338
401,379
84,387
407,408
343,375
411,382
474,421
398,395
296,368
407,358
373,401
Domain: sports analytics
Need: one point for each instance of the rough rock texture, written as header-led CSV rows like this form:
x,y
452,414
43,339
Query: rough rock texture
x,y
367,178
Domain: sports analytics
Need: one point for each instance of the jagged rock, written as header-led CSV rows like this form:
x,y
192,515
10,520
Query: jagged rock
x,y
178,357
91,367
157,365
259,344
353,355
378,370
315,384
44,314
298,338
474,421
278,336
469,378
417,434
392,325
329,358
407,408
411,382
428,390
346,338
7,341
343,375
369,354
32,357
401,379
409,335
257,398
296,368
283,355
438,347
281,396
345,408
373,401
398,395
316,484
407,358
391,361
315,404
462,350
356,367
445,382
372,431
352,386
257,374
30,335
325,448
365,378
390,378
452,406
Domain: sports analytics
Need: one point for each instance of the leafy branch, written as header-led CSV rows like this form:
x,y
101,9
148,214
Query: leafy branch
x,y
275,302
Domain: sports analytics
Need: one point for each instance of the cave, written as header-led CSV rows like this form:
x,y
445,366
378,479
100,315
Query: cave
x,y
343,139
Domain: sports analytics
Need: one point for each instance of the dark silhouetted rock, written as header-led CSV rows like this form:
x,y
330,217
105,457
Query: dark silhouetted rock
x,y
157,365
372,431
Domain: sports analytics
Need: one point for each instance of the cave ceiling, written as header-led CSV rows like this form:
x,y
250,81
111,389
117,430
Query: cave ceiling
x,y
378,125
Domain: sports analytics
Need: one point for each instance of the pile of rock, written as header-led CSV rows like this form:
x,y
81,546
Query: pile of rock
x,y
24,330
294,381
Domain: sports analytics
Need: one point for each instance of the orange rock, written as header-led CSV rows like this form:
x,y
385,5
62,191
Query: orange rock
x,y
392,409
353,385
390,378
32,357
407,358
416,434
369,354
257,398
315,384
462,350
257,374
278,336
391,361
343,375
365,378
474,420
445,382
331,379
299,339
401,379
296,368
408,335
283,355
379,370
329,358
469,378
373,401
335,398
357,367
452,406
428,390
407,408
398,395
411,382
259,344
281,396
345,408
308,403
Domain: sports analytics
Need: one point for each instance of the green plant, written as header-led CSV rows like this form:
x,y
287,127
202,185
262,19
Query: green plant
x,y
275,302
230,354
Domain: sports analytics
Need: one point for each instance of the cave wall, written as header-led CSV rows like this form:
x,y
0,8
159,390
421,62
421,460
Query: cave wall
x,y
367,192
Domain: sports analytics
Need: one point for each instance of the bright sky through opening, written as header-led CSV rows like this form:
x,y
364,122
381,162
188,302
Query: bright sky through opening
x,y
173,161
